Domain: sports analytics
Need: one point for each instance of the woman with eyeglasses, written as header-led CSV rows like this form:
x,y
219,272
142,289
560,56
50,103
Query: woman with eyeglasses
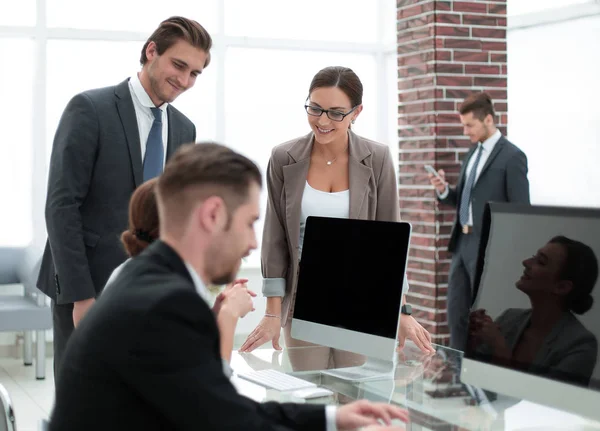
x,y
330,172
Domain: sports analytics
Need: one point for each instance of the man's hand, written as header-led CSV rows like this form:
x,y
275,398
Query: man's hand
x,y
238,300
411,329
367,414
221,296
383,428
80,308
268,329
439,183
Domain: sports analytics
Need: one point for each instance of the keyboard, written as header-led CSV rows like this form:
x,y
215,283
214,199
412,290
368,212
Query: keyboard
x,y
277,380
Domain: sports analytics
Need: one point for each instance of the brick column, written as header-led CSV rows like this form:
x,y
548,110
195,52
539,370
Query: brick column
x,y
446,50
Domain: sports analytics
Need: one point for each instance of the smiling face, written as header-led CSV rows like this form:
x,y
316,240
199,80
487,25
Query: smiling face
x,y
166,76
542,273
325,129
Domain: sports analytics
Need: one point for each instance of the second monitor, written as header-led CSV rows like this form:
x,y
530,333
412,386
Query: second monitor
x,y
350,290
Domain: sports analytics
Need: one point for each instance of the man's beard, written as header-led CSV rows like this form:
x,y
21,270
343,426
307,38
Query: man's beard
x,y
223,279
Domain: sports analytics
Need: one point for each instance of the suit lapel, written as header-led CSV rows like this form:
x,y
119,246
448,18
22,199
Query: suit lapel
x,y
173,132
132,134
294,181
359,174
497,148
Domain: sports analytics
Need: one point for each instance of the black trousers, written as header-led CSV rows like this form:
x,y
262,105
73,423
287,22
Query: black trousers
x,y
460,289
62,319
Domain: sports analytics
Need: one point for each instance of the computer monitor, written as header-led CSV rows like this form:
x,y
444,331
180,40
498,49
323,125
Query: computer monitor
x,y
349,290
535,322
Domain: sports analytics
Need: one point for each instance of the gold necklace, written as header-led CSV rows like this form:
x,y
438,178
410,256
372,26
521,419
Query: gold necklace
x,y
332,161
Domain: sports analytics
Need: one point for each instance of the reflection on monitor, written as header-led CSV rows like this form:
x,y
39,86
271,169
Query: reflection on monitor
x,y
535,322
350,289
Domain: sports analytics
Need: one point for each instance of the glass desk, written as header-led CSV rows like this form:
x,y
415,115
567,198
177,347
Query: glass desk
x,y
428,386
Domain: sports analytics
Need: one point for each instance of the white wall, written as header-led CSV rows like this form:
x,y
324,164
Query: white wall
x,y
554,110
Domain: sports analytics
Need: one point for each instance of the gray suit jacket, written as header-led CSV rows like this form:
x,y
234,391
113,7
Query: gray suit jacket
x,y
95,166
502,179
373,196
569,352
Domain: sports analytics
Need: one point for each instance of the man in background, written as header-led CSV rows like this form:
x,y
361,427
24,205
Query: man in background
x,y
494,170
109,141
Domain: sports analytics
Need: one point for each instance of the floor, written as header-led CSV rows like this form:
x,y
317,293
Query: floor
x,y
32,399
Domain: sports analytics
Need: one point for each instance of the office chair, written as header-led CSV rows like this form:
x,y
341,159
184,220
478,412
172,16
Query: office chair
x,y
26,311
7,415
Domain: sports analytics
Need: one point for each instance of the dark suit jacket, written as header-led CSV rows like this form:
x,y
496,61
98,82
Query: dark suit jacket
x,y
569,352
146,357
95,166
502,179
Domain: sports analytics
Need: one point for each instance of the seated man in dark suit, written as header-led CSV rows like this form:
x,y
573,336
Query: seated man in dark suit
x,y
147,355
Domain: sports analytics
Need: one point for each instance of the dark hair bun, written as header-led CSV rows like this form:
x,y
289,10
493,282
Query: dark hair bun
x,y
582,305
133,245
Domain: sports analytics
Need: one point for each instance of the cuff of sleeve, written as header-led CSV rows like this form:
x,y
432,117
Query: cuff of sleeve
x,y
273,287
330,413
405,285
444,195
227,369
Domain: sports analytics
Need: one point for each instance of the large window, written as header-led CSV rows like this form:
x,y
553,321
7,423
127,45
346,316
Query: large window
x,y
16,87
250,97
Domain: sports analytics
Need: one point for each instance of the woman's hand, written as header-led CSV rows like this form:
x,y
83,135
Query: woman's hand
x,y
269,329
411,329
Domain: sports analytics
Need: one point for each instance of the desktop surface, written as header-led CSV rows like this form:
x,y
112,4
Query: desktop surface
x,y
428,386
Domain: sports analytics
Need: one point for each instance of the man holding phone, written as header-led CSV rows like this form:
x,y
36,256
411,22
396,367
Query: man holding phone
x,y
494,170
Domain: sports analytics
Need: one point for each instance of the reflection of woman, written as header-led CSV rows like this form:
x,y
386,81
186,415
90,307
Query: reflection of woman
x,y
547,337
330,172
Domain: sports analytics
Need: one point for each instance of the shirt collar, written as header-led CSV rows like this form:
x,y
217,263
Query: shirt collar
x,y
140,94
489,144
198,284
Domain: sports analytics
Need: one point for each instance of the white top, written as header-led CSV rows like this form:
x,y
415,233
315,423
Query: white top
x,y
114,274
142,104
488,146
323,204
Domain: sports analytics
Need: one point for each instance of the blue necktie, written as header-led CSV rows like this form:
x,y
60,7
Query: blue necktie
x,y
155,154
465,199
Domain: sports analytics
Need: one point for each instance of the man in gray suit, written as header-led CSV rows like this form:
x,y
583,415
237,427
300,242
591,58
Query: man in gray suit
x,y
494,170
108,142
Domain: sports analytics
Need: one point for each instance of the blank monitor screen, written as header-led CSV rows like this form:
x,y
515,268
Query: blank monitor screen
x,y
351,274
538,289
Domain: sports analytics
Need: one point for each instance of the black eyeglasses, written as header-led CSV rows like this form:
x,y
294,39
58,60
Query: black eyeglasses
x,y
333,115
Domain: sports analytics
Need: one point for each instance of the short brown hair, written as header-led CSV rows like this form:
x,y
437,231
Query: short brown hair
x,y
143,219
175,28
480,104
341,77
197,172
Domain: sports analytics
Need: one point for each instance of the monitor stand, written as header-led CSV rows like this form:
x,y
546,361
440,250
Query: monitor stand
x,y
373,369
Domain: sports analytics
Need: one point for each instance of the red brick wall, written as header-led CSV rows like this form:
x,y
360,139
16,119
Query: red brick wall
x,y
446,50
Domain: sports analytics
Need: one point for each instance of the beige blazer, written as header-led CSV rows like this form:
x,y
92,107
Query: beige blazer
x,y
373,196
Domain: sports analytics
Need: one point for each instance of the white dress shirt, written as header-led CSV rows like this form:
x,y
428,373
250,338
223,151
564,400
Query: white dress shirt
x,y
330,411
142,104
488,146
